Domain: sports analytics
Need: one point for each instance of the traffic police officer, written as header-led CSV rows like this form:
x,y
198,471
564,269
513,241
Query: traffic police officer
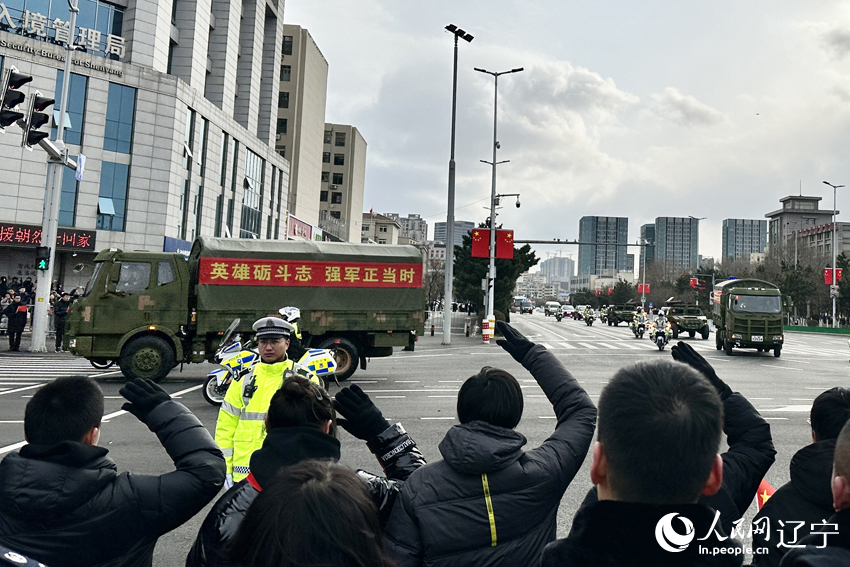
x,y
241,427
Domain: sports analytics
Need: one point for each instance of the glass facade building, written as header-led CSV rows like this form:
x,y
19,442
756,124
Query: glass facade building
x,y
677,243
742,237
613,232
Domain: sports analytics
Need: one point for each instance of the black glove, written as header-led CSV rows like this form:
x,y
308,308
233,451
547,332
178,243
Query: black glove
x,y
361,417
513,342
683,352
143,396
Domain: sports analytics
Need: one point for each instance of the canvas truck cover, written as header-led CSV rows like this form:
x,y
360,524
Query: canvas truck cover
x,y
337,286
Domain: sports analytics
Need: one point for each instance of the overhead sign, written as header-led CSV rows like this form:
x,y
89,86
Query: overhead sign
x,y
27,236
297,229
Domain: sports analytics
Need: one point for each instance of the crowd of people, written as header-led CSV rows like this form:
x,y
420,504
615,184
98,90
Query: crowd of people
x,y
664,493
17,299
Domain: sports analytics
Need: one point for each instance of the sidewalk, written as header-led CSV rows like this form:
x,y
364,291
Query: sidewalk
x,y
26,342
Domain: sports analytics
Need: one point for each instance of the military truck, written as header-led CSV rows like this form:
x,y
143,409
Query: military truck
x,y
621,313
687,318
150,311
747,313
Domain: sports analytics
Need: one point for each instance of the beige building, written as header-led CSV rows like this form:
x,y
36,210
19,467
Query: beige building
x,y
301,119
378,229
343,182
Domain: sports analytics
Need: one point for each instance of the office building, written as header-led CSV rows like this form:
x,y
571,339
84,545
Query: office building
x,y
743,237
461,228
798,214
557,269
413,227
300,131
647,252
677,243
174,109
611,231
378,229
343,182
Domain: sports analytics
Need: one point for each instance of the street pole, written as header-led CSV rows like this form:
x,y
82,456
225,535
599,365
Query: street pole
x,y
491,274
52,198
643,277
450,215
834,286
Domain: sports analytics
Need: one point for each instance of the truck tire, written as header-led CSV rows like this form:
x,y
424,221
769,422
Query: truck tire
x,y
346,356
727,346
777,350
704,332
675,331
718,342
147,358
610,322
692,334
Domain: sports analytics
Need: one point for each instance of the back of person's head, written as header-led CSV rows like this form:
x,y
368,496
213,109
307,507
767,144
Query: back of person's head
x,y
830,411
315,513
301,403
493,396
65,409
660,425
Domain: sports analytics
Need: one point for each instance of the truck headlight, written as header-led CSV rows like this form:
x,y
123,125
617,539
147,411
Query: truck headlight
x,y
737,336
777,337
72,343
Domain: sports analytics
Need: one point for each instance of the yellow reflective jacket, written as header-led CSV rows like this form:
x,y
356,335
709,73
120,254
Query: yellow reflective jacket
x,y
241,428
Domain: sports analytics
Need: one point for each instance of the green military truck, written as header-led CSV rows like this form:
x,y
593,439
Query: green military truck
x,y
748,313
150,311
621,313
687,319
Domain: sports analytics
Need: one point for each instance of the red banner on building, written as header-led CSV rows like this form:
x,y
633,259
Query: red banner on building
x,y
28,236
480,243
505,244
308,273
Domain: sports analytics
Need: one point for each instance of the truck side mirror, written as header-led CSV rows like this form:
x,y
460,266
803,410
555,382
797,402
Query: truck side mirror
x,y
114,276
787,302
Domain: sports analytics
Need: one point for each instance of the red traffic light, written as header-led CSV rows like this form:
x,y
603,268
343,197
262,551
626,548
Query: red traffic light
x,y
41,102
17,80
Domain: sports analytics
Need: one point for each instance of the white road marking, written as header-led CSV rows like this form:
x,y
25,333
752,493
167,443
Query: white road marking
x,y
567,346
388,397
606,345
437,418
590,346
798,408
547,346
3,393
782,367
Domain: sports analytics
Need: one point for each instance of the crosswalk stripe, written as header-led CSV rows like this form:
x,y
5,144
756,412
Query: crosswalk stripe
x,y
590,346
547,346
567,345
606,345
633,346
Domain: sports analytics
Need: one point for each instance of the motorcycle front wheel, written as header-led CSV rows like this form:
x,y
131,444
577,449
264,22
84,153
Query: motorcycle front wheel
x,y
213,393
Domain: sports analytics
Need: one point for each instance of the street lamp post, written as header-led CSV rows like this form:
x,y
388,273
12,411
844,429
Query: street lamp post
x,y
450,216
643,275
491,275
834,287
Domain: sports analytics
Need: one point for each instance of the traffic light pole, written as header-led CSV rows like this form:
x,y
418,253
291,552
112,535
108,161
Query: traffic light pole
x,y
53,194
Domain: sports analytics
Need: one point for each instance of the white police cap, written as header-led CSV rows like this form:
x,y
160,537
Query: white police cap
x,y
273,328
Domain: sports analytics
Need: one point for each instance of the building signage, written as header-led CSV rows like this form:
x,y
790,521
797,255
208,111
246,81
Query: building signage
x,y
27,236
297,229
300,273
49,54
176,245
37,26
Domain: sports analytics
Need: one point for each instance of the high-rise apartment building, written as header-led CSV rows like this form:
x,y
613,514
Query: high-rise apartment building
x,y
742,237
557,269
677,243
301,118
461,228
174,107
611,231
343,182
413,227
647,252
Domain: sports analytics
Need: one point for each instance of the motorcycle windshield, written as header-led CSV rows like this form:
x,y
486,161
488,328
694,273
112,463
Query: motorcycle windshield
x,y
229,332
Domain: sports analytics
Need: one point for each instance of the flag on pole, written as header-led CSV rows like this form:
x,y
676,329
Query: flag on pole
x,y
480,243
505,244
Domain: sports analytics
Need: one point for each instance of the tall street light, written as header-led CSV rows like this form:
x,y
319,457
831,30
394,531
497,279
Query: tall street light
x,y
834,287
450,216
491,276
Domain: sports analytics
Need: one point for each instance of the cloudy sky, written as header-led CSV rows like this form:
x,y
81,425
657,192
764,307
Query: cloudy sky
x,y
639,109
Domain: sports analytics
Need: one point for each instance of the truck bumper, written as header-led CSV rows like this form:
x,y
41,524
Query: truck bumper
x,y
80,346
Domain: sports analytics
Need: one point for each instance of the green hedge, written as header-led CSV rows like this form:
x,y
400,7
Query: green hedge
x,y
827,330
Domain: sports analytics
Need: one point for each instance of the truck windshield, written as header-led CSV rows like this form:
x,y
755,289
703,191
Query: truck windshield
x,y
90,283
756,304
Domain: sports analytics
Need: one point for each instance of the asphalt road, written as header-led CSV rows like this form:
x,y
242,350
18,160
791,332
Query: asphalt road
x,y
419,389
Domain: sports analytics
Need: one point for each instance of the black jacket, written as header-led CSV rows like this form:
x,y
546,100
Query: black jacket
x,y
284,446
68,506
444,516
17,314
748,459
807,498
60,309
614,534
823,550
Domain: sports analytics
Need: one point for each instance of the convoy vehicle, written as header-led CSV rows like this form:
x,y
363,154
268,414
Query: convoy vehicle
x,y
151,311
551,307
621,313
747,313
689,319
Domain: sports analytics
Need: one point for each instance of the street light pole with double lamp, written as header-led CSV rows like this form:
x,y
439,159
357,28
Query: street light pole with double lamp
x,y
834,287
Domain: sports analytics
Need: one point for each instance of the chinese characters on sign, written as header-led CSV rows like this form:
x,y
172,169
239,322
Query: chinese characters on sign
x,y
240,271
36,25
297,229
29,236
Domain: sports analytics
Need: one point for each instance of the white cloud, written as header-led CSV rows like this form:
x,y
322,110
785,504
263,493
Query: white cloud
x,y
837,41
684,109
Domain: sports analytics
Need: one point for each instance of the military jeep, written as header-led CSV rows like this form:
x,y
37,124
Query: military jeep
x,y
618,313
689,319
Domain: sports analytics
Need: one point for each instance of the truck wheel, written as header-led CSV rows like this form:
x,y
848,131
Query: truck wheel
x,y
692,334
777,350
147,358
675,331
704,333
727,346
610,322
346,356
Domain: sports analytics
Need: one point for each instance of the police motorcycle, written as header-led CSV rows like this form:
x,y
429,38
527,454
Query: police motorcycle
x,y
589,317
638,325
559,314
235,360
660,331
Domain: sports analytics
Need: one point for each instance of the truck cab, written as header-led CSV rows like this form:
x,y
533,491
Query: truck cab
x,y
748,313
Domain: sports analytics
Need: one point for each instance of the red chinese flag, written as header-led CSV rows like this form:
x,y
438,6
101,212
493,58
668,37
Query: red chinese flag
x,y
610,290
694,282
505,244
765,491
838,273
827,276
480,243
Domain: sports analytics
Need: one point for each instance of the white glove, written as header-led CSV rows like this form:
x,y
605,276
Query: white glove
x,y
228,481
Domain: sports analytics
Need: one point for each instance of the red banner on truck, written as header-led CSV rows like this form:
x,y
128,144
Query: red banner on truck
x,y
307,273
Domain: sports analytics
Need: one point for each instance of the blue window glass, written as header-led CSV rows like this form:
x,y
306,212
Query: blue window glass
x,y
68,200
88,14
120,113
76,107
113,191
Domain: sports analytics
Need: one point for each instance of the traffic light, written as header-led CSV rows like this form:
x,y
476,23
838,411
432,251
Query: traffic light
x,y
12,96
42,257
36,118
